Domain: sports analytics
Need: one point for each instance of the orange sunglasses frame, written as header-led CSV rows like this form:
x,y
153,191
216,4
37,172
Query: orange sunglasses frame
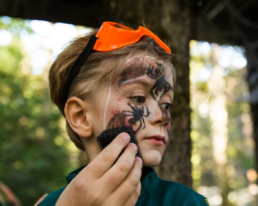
x,y
111,37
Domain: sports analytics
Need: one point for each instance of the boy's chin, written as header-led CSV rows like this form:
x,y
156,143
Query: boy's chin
x,y
151,158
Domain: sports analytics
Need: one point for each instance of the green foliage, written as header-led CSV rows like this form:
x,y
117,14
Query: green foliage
x,y
15,26
32,162
240,145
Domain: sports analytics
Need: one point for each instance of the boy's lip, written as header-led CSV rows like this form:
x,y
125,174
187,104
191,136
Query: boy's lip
x,y
157,137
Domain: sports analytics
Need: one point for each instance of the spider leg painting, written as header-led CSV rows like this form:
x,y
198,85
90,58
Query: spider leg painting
x,y
155,73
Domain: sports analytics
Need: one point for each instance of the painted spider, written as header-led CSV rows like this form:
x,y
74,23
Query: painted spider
x,y
136,115
161,86
155,73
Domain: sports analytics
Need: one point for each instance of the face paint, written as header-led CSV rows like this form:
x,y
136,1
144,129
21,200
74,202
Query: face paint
x,y
118,120
138,114
155,73
160,88
165,115
168,129
131,73
137,67
127,117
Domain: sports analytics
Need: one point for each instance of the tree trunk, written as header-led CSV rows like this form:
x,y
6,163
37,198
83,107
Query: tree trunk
x,y
252,79
219,121
176,164
170,20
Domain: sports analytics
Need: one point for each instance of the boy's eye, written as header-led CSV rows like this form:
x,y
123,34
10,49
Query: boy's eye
x,y
138,99
166,106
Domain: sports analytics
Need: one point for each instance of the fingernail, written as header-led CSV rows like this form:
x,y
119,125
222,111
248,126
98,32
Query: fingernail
x,y
134,146
139,159
126,137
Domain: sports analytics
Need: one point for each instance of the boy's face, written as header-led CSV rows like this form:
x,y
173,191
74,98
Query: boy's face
x,y
140,95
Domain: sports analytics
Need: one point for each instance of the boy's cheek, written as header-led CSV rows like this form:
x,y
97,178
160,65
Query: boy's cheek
x,y
119,116
152,156
116,117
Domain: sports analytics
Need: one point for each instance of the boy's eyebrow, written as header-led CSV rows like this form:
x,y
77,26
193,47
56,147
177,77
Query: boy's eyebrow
x,y
139,80
131,73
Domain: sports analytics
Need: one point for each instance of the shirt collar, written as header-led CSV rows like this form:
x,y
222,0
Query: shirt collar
x,y
149,180
73,174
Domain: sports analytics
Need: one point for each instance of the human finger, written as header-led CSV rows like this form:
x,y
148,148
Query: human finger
x,y
106,158
127,188
119,171
133,199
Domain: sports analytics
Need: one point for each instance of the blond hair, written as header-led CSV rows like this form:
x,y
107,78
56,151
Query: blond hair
x,y
93,72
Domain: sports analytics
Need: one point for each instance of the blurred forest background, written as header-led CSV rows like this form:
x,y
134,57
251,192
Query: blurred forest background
x,y
36,154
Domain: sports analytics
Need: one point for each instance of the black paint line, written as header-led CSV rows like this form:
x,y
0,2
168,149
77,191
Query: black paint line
x,y
160,88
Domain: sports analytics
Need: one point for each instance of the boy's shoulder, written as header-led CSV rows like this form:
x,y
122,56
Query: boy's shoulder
x,y
182,192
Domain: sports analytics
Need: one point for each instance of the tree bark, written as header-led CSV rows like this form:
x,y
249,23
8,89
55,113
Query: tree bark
x,y
176,164
170,20
252,79
219,121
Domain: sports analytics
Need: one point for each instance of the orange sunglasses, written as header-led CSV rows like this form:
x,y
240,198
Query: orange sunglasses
x,y
110,36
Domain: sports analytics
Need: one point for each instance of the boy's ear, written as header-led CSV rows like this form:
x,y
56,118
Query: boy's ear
x,y
78,115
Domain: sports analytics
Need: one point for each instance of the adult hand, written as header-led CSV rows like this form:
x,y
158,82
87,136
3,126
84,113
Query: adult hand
x,y
103,183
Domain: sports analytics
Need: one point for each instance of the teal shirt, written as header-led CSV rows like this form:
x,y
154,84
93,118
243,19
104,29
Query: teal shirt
x,y
154,192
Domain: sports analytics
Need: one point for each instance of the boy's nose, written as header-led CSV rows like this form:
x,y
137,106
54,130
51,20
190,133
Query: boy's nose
x,y
159,115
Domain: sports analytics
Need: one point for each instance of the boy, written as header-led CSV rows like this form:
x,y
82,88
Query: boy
x,y
121,81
